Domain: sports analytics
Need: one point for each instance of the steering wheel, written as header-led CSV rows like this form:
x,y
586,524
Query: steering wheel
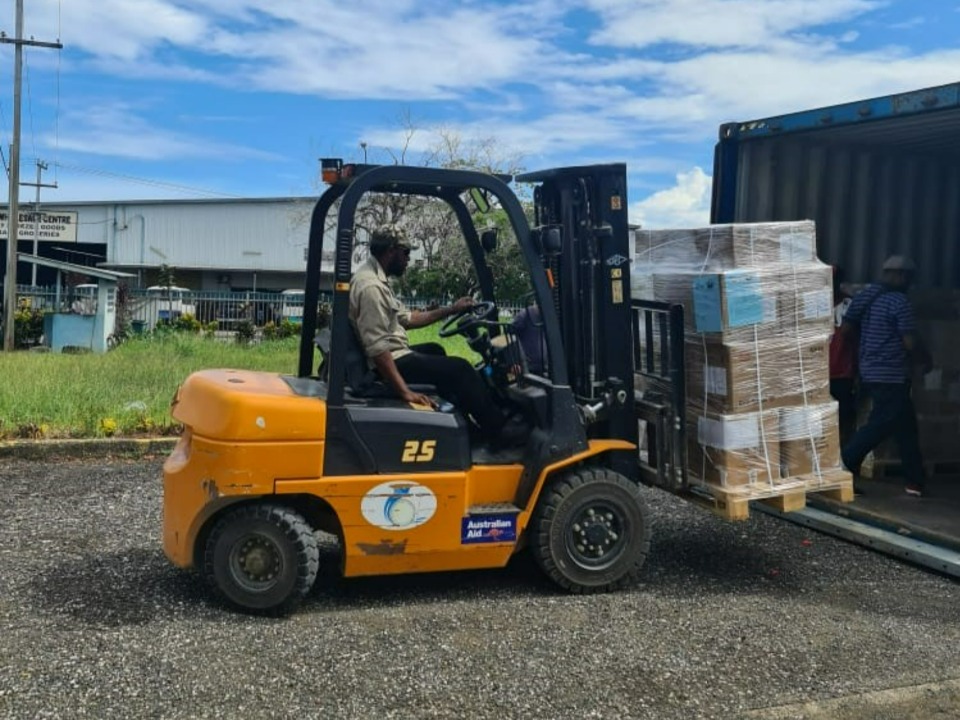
x,y
467,318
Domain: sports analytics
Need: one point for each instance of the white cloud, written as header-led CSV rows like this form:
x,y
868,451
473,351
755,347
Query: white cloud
x,y
665,70
742,86
910,23
365,49
117,130
716,23
113,28
685,205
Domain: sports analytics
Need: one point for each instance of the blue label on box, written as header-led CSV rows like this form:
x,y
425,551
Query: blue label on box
x,y
707,312
488,529
744,301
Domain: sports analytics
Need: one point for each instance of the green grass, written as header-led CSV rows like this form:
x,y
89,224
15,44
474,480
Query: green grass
x,y
127,391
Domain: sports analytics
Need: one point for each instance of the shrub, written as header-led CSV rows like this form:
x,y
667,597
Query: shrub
x,y
27,327
187,323
246,331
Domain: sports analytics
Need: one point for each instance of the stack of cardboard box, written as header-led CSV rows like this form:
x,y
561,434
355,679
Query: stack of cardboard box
x,y
758,320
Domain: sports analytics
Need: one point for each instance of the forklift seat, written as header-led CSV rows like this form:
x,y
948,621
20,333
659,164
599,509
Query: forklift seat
x,y
366,383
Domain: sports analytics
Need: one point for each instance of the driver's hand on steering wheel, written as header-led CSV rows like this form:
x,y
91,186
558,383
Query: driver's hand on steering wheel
x,y
464,303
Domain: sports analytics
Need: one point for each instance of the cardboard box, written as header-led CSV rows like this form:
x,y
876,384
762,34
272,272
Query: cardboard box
x,y
745,304
730,300
732,306
805,299
809,439
735,450
725,247
732,378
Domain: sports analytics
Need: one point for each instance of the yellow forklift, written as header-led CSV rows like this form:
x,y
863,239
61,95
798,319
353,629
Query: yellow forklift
x,y
267,460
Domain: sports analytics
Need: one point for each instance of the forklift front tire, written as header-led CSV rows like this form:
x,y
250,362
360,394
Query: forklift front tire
x,y
261,558
591,531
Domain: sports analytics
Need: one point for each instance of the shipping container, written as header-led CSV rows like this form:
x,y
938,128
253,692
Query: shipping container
x,y
879,177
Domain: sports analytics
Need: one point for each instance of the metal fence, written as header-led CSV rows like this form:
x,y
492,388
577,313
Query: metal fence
x,y
227,309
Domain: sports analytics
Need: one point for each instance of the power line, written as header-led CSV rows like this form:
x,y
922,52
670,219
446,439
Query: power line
x,y
148,181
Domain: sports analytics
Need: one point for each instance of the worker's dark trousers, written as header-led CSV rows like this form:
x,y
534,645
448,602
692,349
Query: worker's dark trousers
x,y
456,381
843,391
892,415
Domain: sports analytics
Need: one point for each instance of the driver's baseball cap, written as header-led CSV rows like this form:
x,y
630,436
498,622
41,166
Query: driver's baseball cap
x,y
384,238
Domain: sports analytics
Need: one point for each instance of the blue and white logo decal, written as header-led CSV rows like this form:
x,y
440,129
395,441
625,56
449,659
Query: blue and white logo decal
x,y
398,505
617,260
488,529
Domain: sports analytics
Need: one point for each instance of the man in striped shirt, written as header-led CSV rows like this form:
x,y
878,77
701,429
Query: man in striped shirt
x,y
889,346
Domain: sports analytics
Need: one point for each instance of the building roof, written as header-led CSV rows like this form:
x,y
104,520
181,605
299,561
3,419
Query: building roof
x,y
96,272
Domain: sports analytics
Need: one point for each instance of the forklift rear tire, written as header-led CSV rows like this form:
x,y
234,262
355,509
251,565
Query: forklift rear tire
x,y
591,531
262,559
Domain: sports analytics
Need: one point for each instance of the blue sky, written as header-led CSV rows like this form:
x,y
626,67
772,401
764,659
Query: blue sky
x,y
238,98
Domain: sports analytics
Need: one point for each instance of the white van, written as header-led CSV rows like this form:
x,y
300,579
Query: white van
x,y
172,302
291,306
85,298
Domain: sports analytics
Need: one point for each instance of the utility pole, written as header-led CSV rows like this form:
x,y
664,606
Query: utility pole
x,y
13,209
41,166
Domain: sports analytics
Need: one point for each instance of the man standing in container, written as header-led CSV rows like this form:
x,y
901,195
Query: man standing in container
x,y
889,346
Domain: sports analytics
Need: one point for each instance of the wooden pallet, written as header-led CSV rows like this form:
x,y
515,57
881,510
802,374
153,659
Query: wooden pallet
x,y
734,505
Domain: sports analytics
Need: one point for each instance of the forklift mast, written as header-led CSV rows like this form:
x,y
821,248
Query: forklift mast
x,y
590,275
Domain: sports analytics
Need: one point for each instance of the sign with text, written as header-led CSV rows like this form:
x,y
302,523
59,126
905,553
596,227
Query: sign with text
x,y
46,226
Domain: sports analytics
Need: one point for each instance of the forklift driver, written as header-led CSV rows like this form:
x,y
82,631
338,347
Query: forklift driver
x,y
381,321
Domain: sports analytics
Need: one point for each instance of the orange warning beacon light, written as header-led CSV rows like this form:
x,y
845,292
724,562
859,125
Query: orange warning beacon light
x,y
330,169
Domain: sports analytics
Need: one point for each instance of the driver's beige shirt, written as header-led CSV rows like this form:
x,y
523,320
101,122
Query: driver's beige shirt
x,y
376,314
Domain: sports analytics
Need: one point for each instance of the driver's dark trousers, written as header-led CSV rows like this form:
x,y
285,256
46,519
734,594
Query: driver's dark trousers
x,y
456,381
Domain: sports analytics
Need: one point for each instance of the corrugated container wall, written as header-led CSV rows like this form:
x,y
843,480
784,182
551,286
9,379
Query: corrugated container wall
x,y
879,177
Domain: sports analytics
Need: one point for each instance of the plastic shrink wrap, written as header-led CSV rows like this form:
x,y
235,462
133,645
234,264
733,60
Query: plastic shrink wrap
x,y
758,312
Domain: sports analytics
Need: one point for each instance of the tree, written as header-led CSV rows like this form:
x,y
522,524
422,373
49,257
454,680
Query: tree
x,y
166,277
451,272
442,266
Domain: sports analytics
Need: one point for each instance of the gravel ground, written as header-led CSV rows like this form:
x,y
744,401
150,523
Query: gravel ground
x,y
731,620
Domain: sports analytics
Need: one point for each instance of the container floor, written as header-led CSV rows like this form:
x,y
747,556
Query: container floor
x,y
935,517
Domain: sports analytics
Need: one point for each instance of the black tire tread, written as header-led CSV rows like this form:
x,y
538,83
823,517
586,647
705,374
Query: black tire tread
x,y
294,527
549,505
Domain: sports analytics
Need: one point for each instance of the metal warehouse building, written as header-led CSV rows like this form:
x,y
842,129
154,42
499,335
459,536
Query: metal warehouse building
x,y
243,244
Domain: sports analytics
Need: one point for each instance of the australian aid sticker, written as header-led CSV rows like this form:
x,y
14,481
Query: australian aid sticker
x,y
488,529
